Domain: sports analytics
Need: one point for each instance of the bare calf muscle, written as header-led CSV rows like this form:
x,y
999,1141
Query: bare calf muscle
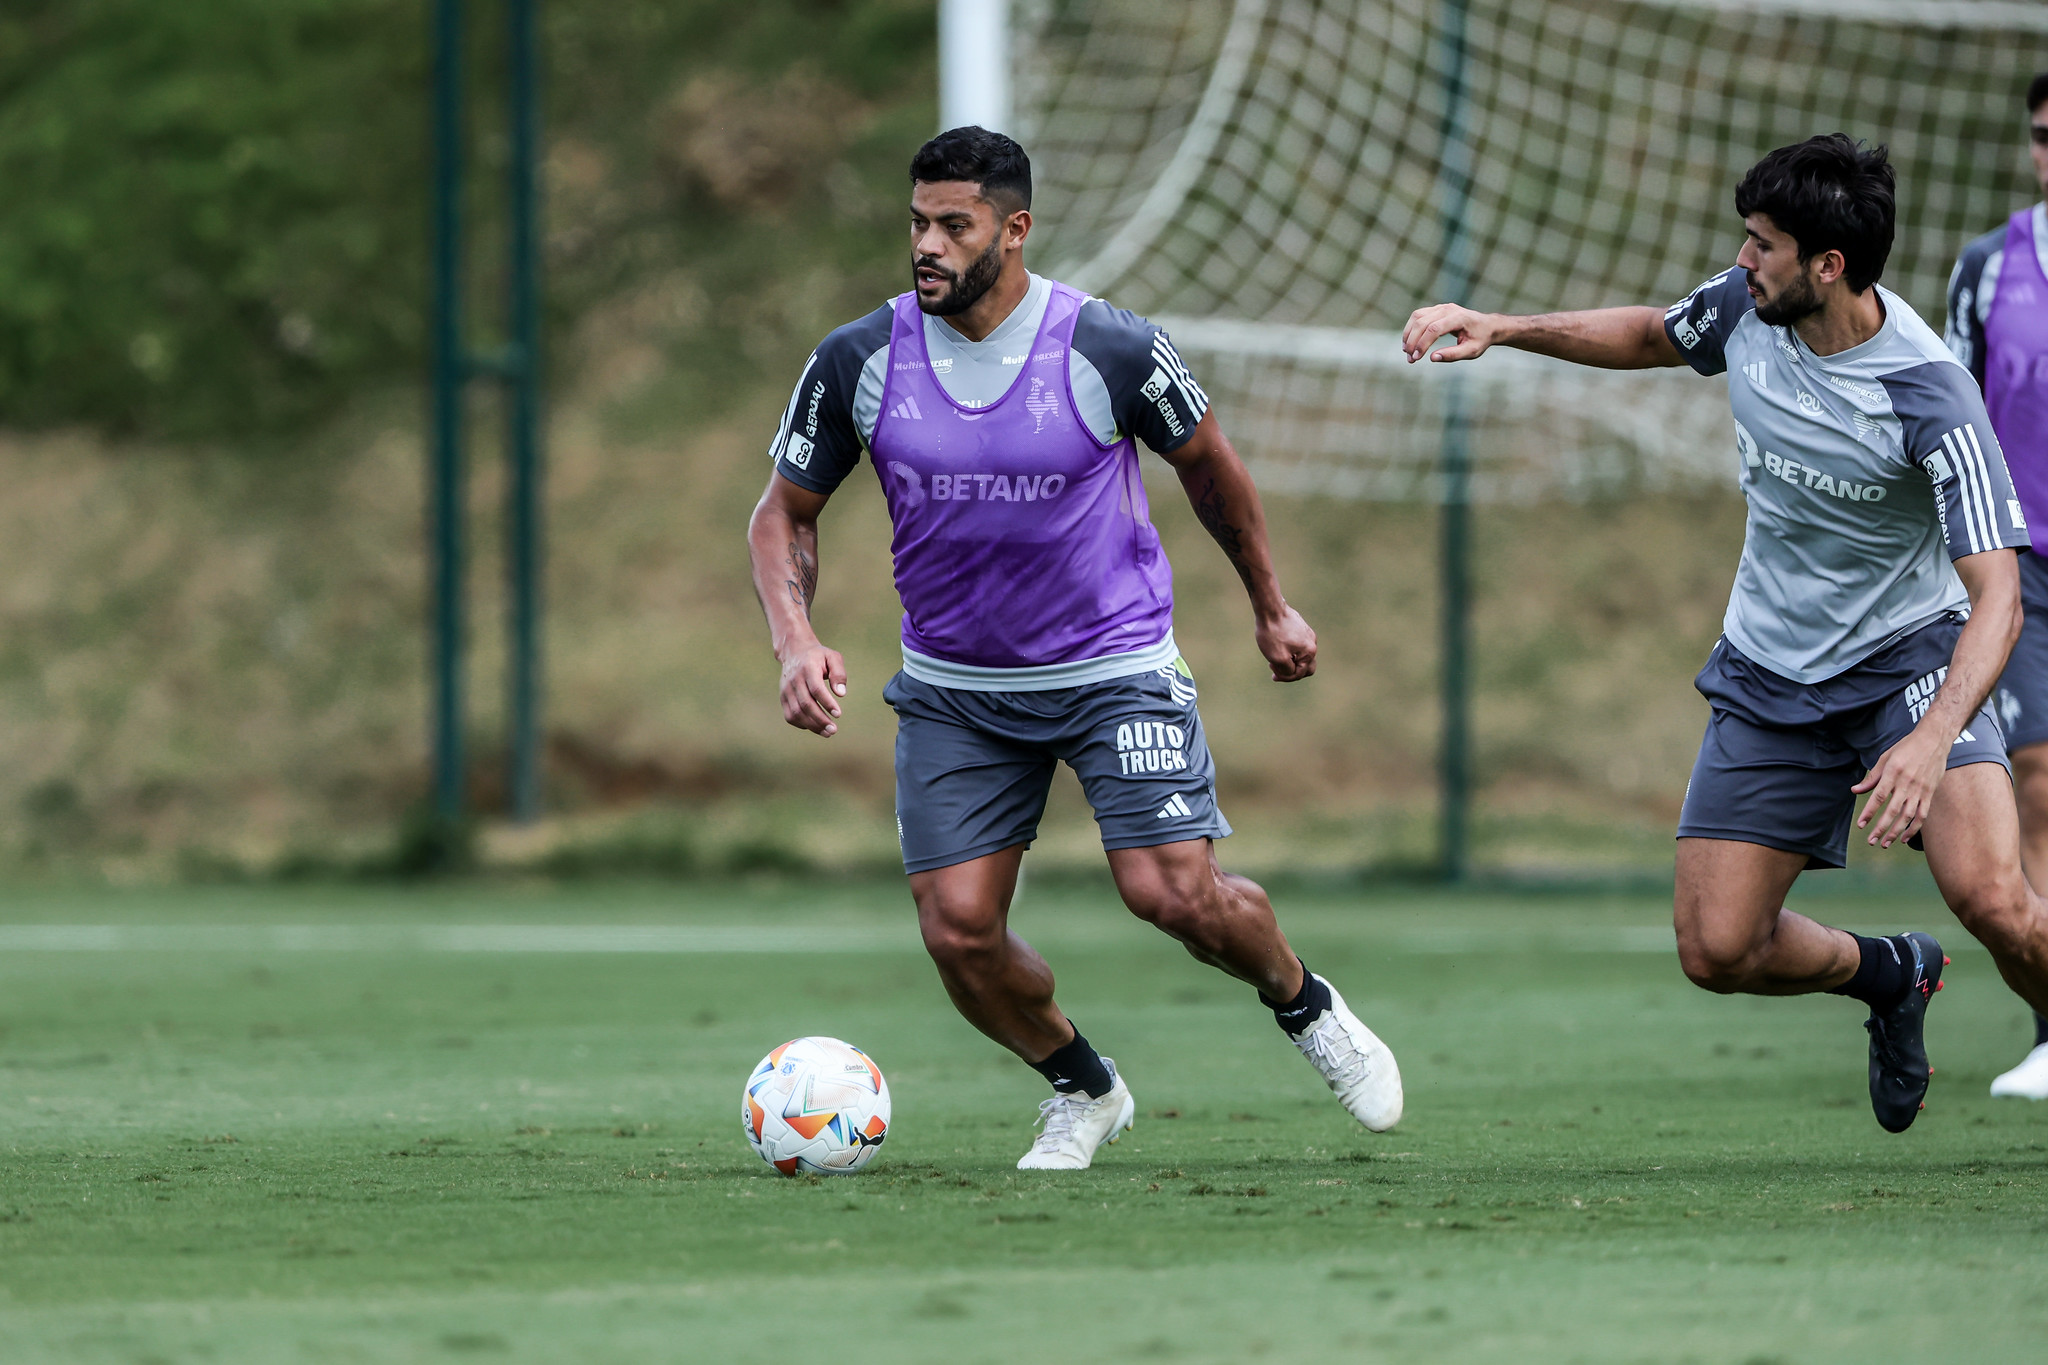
x,y
1734,934
1223,920
995,979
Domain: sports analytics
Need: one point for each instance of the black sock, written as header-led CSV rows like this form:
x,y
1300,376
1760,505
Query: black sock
x,y
1305,1008
1883,974
2040,1029
1076,1067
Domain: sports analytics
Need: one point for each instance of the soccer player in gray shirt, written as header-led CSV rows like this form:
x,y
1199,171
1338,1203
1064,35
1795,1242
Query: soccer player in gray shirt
x,y
1875,603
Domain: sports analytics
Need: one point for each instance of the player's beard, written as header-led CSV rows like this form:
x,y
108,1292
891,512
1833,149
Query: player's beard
x,y
1794,303
968,286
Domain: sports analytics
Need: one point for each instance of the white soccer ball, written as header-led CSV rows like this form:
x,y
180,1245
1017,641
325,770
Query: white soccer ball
x,y
816,1106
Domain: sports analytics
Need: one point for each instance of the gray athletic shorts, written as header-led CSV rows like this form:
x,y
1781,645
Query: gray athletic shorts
x,y
2022,695
973,768
1779,757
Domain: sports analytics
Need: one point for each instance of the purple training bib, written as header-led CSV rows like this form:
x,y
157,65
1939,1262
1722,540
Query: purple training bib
x,y
1021,541
2016,367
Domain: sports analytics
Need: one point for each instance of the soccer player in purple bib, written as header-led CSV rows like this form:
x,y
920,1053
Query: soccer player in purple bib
x,y
1001,412
1876,601
1998,326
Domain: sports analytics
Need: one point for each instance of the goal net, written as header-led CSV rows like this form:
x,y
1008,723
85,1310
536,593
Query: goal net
x,y
1279,182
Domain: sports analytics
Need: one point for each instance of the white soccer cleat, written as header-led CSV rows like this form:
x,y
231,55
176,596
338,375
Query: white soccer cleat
x,y
2028,1080
1358,1066
1073,1126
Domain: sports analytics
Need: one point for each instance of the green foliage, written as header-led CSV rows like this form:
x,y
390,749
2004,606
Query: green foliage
x,y
212,220
429,845
56,818
215,211
631,853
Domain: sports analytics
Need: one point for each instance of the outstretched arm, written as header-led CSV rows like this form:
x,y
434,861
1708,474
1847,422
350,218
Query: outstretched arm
x,y
1610,338
1221,491
782,542
1903,780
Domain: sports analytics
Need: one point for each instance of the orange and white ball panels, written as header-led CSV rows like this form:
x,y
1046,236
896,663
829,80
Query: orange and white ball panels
x,y
816,1106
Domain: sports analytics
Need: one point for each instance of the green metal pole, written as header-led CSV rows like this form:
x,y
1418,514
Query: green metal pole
x,y
523,417
445,463
1453,282
1455,754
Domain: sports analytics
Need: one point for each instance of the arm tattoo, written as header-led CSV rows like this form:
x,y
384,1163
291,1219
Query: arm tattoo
x,y
803,586
1215,519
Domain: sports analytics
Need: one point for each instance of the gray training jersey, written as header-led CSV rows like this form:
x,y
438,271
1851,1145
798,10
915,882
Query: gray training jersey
x,y
1859,468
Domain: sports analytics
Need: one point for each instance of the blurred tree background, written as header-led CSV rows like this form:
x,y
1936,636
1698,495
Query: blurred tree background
x,y
211,571
215,210
213,218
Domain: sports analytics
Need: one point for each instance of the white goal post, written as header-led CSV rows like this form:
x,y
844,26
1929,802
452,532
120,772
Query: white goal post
x,y
975,65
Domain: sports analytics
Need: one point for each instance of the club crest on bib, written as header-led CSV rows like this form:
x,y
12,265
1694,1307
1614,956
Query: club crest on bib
x,y
913,484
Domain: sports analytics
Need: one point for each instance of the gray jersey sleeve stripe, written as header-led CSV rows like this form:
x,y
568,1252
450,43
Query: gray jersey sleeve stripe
x,y
1147,401
1164,348
1973,488
1980,484
816,445
1942,423
1169,359
1959,469
1983,488
1994,540
789,413
1163,352
1702,324
1194,387
1959,464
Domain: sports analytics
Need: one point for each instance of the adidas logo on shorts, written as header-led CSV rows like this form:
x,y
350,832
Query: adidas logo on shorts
x,y
1175,807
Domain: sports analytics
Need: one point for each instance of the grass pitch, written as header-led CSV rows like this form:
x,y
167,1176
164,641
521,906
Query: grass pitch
x,y
463,1124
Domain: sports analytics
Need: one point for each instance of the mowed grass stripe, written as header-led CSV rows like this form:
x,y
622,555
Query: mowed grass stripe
x,y
452,938
729,938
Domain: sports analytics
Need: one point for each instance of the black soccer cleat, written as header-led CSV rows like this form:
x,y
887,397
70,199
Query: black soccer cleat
x,y
1898,1046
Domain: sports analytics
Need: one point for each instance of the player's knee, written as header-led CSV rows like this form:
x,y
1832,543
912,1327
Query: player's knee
x,y
2003,915
1177,901
1719,968
956,933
